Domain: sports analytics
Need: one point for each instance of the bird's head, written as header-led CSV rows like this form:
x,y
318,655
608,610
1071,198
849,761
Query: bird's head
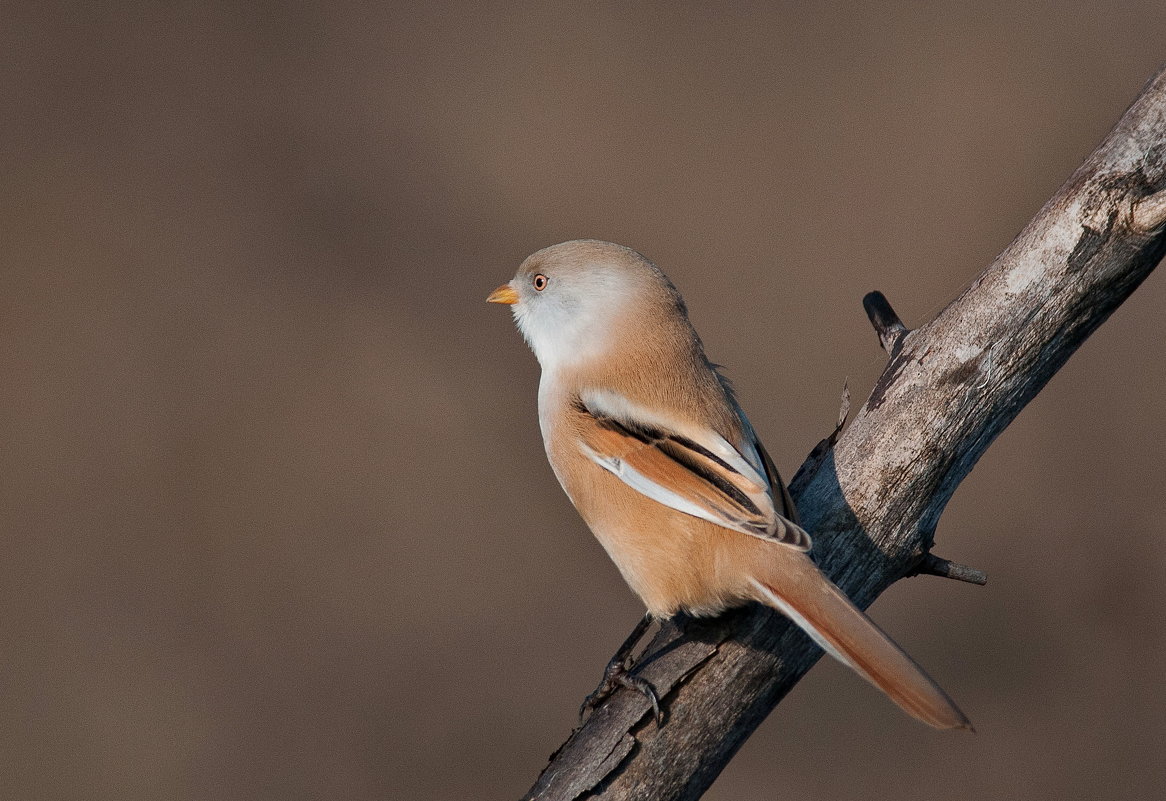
x,y
576,300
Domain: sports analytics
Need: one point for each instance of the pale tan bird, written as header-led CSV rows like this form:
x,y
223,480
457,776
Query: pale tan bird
x,y
649,443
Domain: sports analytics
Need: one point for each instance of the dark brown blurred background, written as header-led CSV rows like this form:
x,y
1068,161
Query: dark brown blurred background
x,y
276,516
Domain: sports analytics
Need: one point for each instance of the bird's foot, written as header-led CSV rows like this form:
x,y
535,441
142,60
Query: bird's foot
x,y
618,673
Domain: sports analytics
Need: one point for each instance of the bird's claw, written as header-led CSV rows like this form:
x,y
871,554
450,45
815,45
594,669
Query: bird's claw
x,y
618,674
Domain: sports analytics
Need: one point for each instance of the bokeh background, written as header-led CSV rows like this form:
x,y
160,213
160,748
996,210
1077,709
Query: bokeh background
x,y
276,518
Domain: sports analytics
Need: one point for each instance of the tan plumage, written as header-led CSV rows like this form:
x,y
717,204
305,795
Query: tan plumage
x,y
649,443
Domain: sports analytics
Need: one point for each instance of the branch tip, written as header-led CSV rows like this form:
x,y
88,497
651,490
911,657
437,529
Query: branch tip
x,y
932,565
886,323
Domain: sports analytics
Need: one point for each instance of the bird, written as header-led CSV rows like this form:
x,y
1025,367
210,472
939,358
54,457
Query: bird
x,y
651,446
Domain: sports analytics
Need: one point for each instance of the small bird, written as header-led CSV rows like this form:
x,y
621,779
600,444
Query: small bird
x,y
649,443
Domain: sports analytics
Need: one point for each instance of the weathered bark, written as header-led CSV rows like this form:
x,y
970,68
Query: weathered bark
x,y
873,499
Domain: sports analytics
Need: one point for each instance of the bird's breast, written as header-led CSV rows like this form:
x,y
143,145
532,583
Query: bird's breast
x,y
672,560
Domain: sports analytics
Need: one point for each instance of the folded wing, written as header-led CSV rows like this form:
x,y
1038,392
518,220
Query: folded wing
x,y
696,472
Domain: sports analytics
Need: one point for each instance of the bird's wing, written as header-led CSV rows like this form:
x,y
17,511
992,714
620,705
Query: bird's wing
x,y
782,500
695,471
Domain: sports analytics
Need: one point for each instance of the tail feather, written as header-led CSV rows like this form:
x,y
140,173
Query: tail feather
x,y
818,607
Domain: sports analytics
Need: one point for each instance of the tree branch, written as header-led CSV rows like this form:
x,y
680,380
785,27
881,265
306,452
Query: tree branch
x,y
932,565
872,501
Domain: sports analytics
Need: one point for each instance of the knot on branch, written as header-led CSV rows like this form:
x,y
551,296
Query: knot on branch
x,y
1149,213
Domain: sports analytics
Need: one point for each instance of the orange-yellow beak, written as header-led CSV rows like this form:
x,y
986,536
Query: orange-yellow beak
x,y
503,294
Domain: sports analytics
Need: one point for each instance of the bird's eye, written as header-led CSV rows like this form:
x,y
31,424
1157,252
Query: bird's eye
x,y
540,282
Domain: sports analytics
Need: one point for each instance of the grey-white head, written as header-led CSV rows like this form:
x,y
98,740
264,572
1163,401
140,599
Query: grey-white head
x,y
568,298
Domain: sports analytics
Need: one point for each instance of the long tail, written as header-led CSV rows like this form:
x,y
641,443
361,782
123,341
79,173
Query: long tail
x,y
794,586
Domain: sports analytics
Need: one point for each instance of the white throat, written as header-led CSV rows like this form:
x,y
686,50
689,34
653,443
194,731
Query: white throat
x,y
570,329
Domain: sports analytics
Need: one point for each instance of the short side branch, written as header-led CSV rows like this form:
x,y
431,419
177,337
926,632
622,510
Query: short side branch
x,y
932,565
886,323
